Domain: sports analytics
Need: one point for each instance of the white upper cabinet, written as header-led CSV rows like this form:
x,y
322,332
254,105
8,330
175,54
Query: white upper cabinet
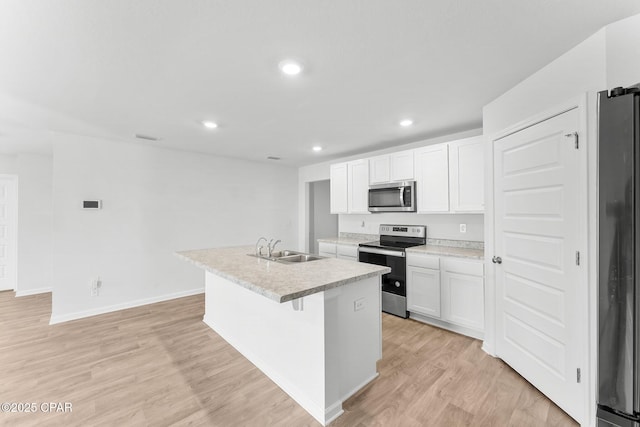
x,y
401,166
358,186
432,178
392,167
466,175
350,187
379,169
339,184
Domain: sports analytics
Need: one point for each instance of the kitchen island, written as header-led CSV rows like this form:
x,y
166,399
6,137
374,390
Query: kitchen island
x,y
314,327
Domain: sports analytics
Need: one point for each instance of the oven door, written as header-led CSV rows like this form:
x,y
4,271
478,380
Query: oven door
x,y
396,197
394,282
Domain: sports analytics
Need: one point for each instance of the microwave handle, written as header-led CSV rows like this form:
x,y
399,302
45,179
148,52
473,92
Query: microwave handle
x,y
401,196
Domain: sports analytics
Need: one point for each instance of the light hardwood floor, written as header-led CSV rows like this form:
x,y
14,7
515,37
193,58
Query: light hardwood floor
x,y
160,365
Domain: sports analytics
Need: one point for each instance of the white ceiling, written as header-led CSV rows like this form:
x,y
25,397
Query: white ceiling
x,y
159,67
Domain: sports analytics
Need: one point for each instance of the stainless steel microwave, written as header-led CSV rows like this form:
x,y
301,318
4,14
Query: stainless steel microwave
x,y
394,197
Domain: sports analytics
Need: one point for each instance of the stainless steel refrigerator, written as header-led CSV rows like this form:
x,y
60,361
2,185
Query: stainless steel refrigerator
x,y
619,258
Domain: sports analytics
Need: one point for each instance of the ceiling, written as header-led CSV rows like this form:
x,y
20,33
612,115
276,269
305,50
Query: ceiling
x,y
160,67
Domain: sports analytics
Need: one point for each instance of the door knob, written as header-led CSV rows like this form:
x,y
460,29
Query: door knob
x,y
496,260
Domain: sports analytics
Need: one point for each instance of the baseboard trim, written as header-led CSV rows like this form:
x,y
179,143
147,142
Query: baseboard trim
x,y
123,306
33,292
463,330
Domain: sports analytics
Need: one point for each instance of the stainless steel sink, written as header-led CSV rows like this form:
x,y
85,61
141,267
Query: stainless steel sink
x,y
289,257
299,258
285,253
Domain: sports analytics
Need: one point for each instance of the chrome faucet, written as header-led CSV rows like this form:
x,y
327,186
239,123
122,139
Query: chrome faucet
x,y
271,247
259,248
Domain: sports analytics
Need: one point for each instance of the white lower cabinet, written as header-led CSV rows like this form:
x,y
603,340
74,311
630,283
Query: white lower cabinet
x,y
463,293
349,252
327,249
334,250
423,291
446,291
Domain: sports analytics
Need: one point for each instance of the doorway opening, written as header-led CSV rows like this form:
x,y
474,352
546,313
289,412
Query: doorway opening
x,y
322,223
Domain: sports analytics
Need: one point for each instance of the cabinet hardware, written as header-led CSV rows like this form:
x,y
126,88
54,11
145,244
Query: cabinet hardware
x,y
496,260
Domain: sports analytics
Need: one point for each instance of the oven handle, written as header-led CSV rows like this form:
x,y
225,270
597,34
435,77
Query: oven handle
x,y
399,254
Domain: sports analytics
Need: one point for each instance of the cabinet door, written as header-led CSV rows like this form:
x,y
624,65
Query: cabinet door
x,y
401,166
358,188
432,178
339,188
423,291
466,168
379,169
327,249
463,299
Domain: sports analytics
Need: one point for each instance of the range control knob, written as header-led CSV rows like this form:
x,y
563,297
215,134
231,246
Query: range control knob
x,y
397,284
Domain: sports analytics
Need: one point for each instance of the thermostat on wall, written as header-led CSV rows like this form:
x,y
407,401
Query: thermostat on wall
x,y
92,204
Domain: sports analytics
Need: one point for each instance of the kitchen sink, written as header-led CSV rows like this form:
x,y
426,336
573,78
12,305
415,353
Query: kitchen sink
x,y
289,257
285,253
299,258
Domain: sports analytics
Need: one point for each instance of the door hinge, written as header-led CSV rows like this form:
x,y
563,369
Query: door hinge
x,y
576,138
578,375
577,257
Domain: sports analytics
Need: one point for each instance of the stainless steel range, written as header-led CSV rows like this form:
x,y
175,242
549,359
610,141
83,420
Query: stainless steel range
x,y
390,251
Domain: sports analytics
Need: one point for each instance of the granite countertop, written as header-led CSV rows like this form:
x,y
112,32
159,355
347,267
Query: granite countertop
x,y
453,251
278,281
350,239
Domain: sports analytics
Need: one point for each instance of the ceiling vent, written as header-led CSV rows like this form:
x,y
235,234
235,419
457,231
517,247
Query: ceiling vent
x,y
146,137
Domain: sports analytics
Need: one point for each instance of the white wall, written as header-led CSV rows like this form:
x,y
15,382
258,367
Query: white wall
x,y
442,226
623,52
34,219
155,202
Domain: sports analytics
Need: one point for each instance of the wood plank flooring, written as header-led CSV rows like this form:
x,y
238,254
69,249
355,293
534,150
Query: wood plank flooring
x,y
159,365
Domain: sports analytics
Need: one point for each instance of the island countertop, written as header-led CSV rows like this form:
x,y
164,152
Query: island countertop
x,y
278,281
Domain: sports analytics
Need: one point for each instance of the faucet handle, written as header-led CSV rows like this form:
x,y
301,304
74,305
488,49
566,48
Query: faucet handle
x,y
259,248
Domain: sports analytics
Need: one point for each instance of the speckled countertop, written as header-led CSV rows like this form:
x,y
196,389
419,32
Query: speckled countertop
x,y
278,281
453,251
351,240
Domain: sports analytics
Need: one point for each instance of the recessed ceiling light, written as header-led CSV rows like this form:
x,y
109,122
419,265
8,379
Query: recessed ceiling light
x,y
290,68
406,122
317,148
209,124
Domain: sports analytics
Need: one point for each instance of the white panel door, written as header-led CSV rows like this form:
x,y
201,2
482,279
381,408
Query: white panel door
x,y
538,330
8,231
432,178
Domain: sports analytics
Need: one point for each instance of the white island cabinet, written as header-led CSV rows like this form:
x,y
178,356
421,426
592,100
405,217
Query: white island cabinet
x,y
314,328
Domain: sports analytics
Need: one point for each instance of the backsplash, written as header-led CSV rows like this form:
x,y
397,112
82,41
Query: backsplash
x,y
442,227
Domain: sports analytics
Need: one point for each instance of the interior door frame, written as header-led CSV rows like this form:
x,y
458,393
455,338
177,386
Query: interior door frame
x,y
586,300
14,213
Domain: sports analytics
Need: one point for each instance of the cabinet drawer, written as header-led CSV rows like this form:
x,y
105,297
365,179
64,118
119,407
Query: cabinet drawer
x,y
328,248
424,261
461,266
347,250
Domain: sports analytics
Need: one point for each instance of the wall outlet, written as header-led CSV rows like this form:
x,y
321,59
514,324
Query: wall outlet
x,y
358,304
463,228
95,287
